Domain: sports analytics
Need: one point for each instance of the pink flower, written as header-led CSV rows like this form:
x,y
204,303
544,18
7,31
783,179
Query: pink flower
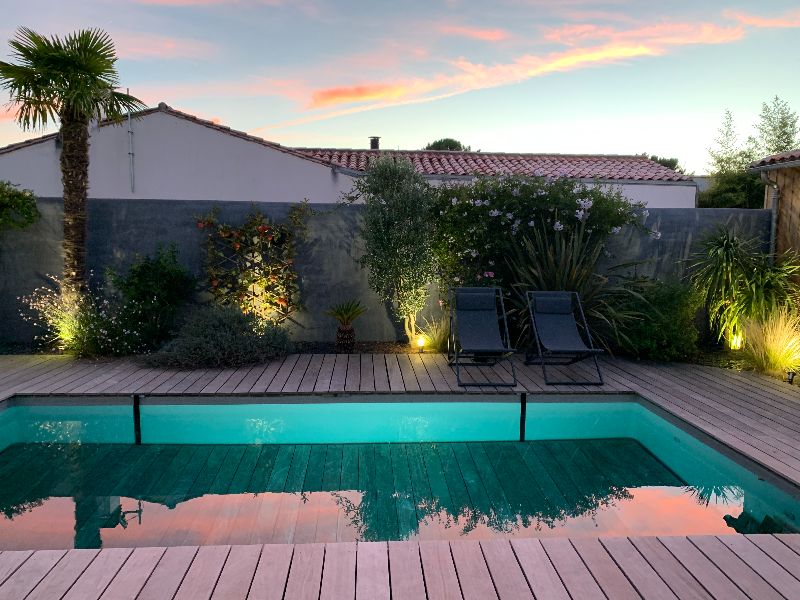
x,y
489,274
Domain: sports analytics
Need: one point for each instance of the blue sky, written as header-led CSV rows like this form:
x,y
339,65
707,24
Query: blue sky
x,y
573,76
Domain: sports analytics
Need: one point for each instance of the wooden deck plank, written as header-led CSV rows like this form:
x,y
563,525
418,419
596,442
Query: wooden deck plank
x,y
394,375
405,568
339,374
672,572
58,581
133,575
309,380
509,580
25,578
569,566
605,571
637,569
10,561
779,552
473,573
367,378
297,374
221,379
701,568
353,378
237,574
283,374
734,568
372,571
166,578
253,375
441,580
305,573
421,373
102,570
339,573
769,570
265,378
380,373
200,579
323,383
235,379
539,571
269,581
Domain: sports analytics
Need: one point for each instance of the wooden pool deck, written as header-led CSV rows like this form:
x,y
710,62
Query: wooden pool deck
x,y
756,416
758,567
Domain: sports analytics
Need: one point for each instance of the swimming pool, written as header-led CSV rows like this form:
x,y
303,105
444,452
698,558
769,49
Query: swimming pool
x,y
303,469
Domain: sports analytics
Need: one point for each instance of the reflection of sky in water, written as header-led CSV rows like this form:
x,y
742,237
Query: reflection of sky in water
x,y
347,516
263,430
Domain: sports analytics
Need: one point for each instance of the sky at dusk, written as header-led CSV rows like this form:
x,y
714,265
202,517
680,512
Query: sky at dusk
x,y
568,76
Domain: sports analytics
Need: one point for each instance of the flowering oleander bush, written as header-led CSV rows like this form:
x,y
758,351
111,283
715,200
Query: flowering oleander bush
x,y
252,265
478,223
85,323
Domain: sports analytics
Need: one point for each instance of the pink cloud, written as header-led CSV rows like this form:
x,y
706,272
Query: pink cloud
x,y
475,33
658,34
145,46
790,19
357,93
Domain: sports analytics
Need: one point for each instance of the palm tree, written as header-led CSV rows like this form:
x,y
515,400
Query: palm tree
x,y
72,80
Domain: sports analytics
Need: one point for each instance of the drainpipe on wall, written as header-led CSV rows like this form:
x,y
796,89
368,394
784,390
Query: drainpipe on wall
x,y
130,146
774,203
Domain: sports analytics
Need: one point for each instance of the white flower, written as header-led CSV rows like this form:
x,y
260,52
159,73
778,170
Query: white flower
x,y
616,230
456,279
558,226
473,253
494,213
645,213
585,204
656,235
453,201
580,214
515,192
509,216
531,223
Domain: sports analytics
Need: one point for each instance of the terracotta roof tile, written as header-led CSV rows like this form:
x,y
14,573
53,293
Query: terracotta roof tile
x,y
447,163
777,159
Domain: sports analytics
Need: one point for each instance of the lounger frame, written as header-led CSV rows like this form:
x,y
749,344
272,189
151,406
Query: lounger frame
x,y
458,356
551,358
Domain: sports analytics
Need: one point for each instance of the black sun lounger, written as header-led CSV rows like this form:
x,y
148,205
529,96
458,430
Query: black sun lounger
x,y
555,329
478,331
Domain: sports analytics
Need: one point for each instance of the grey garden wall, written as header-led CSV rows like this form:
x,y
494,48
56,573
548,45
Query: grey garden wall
x,y
327,262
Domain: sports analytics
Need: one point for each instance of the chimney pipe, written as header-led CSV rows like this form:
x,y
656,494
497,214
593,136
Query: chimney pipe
x,y
374,142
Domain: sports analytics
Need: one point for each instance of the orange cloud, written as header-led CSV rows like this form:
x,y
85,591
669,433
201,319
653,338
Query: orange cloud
x,y
144,46
357,93
475,33
790,19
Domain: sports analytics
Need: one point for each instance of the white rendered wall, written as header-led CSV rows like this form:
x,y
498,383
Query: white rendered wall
x,y
177,159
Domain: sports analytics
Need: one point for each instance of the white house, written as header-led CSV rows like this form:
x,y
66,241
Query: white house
x,y
167,154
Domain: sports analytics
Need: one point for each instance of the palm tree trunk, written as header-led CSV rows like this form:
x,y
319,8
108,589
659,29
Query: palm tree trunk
x,y
75,180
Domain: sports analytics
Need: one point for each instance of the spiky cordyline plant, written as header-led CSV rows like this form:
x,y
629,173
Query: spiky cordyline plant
x,y
569,261
71,80
772,345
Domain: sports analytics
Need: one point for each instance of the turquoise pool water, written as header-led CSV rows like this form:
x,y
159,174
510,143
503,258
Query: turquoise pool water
x,y
73,476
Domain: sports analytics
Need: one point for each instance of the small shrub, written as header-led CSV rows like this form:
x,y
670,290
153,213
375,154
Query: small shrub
x,y
85,323
436,333
221,336
158,287
667,329
345,313
772,345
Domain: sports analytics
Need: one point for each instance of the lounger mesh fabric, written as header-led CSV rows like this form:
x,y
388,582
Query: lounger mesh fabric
x,y
476,318
554,316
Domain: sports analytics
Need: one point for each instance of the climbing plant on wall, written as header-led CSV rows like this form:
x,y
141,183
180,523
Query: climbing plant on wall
x,y
252,265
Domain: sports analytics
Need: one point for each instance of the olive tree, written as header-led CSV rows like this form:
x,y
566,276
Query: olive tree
x,y
397,232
